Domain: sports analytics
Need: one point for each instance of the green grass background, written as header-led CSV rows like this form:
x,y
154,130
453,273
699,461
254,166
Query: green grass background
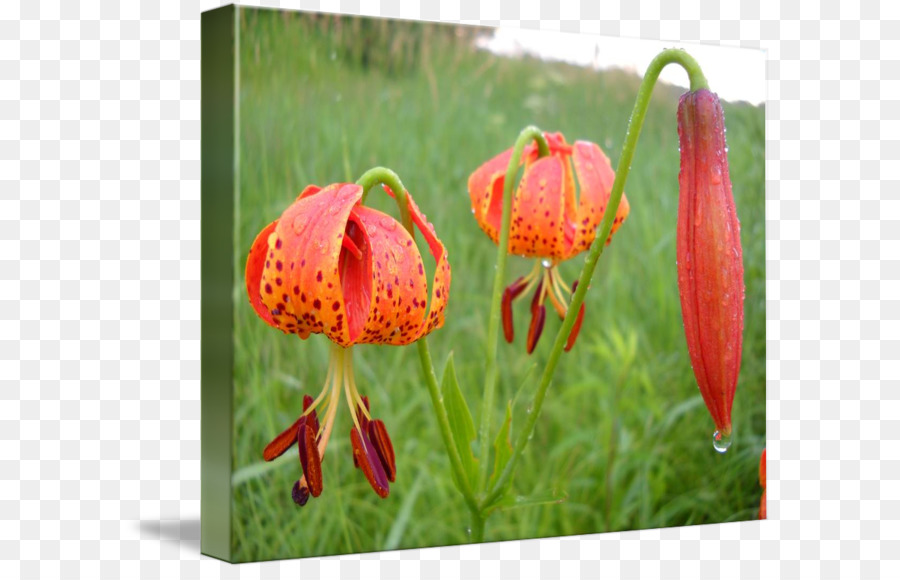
x,y
624,432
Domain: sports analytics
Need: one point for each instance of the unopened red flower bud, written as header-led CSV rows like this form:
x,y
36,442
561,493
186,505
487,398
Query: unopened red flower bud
x,y
710,267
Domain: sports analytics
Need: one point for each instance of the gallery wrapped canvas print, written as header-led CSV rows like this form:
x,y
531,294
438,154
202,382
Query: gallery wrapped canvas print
x,y
461,291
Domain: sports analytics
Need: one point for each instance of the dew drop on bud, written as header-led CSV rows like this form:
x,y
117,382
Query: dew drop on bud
x,y
721,443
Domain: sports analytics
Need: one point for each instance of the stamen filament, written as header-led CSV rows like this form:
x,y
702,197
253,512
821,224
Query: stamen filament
x,y
556,300
562,283
544,287
348,374
328,376
337,352
357,397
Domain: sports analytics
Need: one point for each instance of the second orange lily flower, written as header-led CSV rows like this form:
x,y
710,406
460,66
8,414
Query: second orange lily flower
x,y
548,222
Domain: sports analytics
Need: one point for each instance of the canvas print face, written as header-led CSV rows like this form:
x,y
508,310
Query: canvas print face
x,y
401,383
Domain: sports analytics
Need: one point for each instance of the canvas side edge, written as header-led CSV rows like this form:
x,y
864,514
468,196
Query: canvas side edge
x,y
218,77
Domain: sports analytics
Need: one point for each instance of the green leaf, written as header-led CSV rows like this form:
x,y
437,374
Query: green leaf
x,y
461,424
521,501
502,452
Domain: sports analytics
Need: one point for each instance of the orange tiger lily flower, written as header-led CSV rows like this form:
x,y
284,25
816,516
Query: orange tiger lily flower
x,y
547,221
332,266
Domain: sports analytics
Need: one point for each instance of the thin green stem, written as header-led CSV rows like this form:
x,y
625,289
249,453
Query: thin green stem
x,y
383,175
527,135
641,104
440,411
477,529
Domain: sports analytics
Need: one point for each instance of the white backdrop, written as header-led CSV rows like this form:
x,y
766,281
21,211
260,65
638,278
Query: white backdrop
x,y
100,297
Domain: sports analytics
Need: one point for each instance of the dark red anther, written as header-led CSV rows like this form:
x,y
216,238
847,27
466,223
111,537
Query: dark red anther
x,y
517,287
573,335
361,417
288,437
511,293
379,436
282,442
538,296
538,315
366,458
312,419
300,494
576,328
506,310
309,457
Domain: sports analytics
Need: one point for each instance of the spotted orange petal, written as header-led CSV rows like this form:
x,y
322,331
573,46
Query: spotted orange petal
x,y
481,187
440,286
396,291
486,190
536,227
595,179
301,283
253,272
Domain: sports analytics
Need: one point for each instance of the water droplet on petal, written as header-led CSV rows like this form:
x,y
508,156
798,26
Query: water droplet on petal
x,y
546,263
721,443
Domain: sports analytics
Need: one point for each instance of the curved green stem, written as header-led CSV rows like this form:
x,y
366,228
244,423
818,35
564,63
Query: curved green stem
x,y
383,175
698,81
440,411
528,134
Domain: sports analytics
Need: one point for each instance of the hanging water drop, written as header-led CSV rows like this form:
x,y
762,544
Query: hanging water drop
x,y
546,263
721,443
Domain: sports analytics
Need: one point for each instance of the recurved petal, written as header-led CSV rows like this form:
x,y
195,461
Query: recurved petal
x,y
536,229
595,179
256,262
440,286
396,290
301,283
481,183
